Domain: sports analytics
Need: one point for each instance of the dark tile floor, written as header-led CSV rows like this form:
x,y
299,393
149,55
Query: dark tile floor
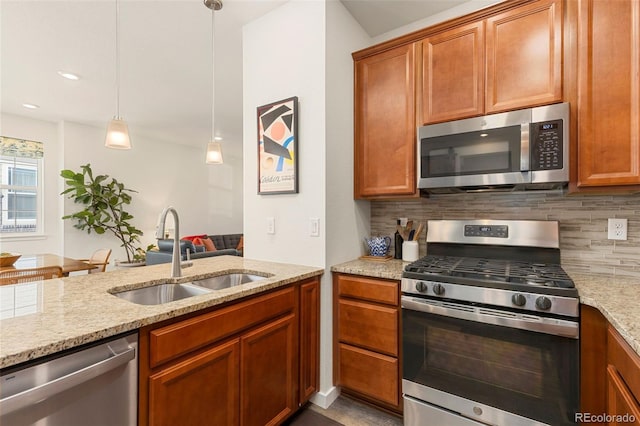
x,y
349,412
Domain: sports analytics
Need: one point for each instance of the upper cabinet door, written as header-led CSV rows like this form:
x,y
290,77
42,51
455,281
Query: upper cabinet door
x,y
524,57
385,131
453,74
608,72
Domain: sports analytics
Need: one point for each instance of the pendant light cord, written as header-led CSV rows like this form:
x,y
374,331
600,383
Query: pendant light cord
x,y
213,73
117,61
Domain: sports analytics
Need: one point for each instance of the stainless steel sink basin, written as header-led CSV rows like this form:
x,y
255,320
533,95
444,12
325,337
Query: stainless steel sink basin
x,y
227,280
161,293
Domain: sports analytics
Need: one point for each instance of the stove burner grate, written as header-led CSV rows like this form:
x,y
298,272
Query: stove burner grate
x,y
498,270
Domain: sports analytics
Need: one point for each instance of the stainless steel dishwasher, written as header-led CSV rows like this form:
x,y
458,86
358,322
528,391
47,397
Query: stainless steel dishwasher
x,y
96,385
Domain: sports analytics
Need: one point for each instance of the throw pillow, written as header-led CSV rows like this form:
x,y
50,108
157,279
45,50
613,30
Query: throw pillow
x,y
208,244
193,237
197,241
240,243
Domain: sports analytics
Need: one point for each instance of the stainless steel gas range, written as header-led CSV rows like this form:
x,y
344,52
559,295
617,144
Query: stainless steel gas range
x,y
490,327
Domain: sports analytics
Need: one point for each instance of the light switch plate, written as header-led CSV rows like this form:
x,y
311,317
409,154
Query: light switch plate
x,y
617,229
314,226
271,225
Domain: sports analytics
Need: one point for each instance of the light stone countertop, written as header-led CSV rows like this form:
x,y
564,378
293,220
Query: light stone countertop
x,y
618,298
79,309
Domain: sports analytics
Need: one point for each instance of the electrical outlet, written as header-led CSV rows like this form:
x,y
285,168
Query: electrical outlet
x,y
617,229
271,225
314,227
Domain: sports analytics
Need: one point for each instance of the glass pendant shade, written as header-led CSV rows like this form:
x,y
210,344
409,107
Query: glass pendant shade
x,y
214,153
118,134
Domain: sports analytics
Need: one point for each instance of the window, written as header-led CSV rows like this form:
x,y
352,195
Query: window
x,y
20,186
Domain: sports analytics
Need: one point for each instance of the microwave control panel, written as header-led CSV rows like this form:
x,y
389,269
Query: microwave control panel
x,y
546,145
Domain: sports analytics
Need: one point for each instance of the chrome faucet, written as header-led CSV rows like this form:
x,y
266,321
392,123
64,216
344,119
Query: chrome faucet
x,y
176,259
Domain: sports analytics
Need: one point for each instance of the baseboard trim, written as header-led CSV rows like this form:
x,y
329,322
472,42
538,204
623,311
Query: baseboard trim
x,y
325,399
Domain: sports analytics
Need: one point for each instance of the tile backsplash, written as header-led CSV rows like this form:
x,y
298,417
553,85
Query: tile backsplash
x,y
583,222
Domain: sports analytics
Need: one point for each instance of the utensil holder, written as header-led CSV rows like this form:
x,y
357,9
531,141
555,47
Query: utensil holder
x,y
410,251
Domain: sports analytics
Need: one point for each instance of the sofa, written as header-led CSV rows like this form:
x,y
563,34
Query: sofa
x,y
228,244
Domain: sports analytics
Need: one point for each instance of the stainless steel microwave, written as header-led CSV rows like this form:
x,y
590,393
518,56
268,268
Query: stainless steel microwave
x,y
515,150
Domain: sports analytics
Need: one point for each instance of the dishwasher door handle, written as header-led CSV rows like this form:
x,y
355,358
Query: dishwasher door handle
x,y
39,393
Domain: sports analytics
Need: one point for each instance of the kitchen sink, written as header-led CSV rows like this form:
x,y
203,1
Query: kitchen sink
x,y
161,293
226,281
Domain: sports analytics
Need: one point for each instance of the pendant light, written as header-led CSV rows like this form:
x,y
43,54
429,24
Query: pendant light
x,y
117,130
214,149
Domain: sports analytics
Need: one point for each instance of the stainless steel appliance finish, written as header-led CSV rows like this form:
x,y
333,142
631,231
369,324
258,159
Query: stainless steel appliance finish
x,y
515,150
97,385
490,326
419,410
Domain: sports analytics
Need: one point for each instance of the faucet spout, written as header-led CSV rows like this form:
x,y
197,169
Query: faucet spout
x,y
175,257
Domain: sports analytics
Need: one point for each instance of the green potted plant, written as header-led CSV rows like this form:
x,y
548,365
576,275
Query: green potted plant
x,y
104,201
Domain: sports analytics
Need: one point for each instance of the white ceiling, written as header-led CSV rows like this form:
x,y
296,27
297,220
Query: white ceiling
x,y
165,60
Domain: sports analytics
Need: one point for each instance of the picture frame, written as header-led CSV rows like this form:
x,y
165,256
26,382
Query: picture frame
x,y
278,147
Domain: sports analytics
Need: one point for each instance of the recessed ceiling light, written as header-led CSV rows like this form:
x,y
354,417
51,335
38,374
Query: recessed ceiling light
x,y
217,138
69,75
31,106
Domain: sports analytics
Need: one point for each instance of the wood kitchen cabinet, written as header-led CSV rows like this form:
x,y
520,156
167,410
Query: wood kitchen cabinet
x,y
240,364
609,370
367,339
524,57
200,390
603,79
453,74
505,57
309,339
508,61
623,379
269,361
385,130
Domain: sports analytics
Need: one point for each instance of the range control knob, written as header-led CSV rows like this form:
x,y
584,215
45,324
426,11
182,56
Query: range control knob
x,y
421,287
543,303
438,289
518,299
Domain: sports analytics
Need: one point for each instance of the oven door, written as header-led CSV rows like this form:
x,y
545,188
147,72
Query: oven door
x,y
486,365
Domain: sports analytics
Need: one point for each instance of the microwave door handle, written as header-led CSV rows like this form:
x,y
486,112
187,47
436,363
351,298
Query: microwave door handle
x,y
525,154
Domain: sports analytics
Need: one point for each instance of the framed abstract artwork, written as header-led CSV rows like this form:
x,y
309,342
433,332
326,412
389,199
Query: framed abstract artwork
x,y
278,147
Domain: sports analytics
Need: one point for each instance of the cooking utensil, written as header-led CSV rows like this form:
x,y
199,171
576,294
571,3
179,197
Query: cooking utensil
x,y
417,234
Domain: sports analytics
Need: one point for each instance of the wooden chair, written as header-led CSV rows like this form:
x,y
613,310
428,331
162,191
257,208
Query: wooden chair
x,y
99,258
15,276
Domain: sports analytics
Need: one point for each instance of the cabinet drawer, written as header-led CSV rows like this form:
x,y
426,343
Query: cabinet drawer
x,y
369,373
374,290
626,362
175,340
367,325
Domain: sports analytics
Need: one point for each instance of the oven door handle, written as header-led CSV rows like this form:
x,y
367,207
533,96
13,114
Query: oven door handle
x,y
528,322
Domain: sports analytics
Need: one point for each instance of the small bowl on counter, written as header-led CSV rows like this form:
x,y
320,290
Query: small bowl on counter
x,y
8,259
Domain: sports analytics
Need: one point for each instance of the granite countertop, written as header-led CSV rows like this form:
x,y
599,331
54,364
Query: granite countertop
x,y
614,296
68,312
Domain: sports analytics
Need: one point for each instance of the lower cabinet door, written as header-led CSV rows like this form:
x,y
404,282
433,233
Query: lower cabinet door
x,y
309,339
621,405
269,365
369,373
202,390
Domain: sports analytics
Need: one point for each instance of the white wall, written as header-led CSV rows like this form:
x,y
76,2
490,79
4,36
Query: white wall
x,y
348,221
307,53
47,133
208,198
284,56
460,10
